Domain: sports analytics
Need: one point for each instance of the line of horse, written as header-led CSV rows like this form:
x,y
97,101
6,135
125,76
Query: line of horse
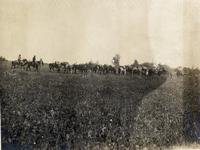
x,y
146,69
143,69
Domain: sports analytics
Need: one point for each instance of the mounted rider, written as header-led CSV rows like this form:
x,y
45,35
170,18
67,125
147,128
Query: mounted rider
x,y
34,59
19,58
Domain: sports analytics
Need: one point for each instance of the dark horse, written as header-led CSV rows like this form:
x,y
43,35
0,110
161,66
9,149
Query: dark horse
x,y
17,64
53,66
35,65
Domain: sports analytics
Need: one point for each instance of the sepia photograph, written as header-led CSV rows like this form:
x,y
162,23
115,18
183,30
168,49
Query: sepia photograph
x,y
100,74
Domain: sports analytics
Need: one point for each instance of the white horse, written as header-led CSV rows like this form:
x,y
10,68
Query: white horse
x,y
122,70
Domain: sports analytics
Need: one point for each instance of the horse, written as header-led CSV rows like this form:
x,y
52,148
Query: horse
x,y
128,69
144,71
83,68
95,69
35,65
179,72
136,71
161,70
53,66
122,70
65,66
16,63
74,68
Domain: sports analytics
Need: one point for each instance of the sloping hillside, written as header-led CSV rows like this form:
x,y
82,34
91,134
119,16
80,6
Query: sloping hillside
x,y
162,118
54,110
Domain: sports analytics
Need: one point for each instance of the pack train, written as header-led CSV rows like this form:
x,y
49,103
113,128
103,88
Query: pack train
x,y
146,69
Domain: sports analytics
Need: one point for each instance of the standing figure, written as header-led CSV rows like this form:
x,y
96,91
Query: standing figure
x,y
41,61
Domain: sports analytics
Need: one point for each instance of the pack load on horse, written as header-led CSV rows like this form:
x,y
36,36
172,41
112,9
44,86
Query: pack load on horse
x,y
65,66
145,69
56,65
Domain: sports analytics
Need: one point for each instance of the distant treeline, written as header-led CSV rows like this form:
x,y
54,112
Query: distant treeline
x,y
3,58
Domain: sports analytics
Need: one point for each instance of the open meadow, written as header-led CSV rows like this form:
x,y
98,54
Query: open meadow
x,y
50,110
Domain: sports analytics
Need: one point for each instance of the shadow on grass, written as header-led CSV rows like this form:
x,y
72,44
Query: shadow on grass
x,y
191,102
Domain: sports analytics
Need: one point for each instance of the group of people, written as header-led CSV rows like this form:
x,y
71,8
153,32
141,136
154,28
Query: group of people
x,y
20,59
25,64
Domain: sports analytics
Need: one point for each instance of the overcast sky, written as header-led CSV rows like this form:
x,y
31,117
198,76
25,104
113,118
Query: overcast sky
x,y
162,31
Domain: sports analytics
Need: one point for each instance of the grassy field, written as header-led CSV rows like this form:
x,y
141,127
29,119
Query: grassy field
x,y
50,109
62,111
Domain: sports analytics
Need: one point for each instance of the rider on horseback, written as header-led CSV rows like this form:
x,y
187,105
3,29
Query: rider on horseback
x,y
34,59
19,58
